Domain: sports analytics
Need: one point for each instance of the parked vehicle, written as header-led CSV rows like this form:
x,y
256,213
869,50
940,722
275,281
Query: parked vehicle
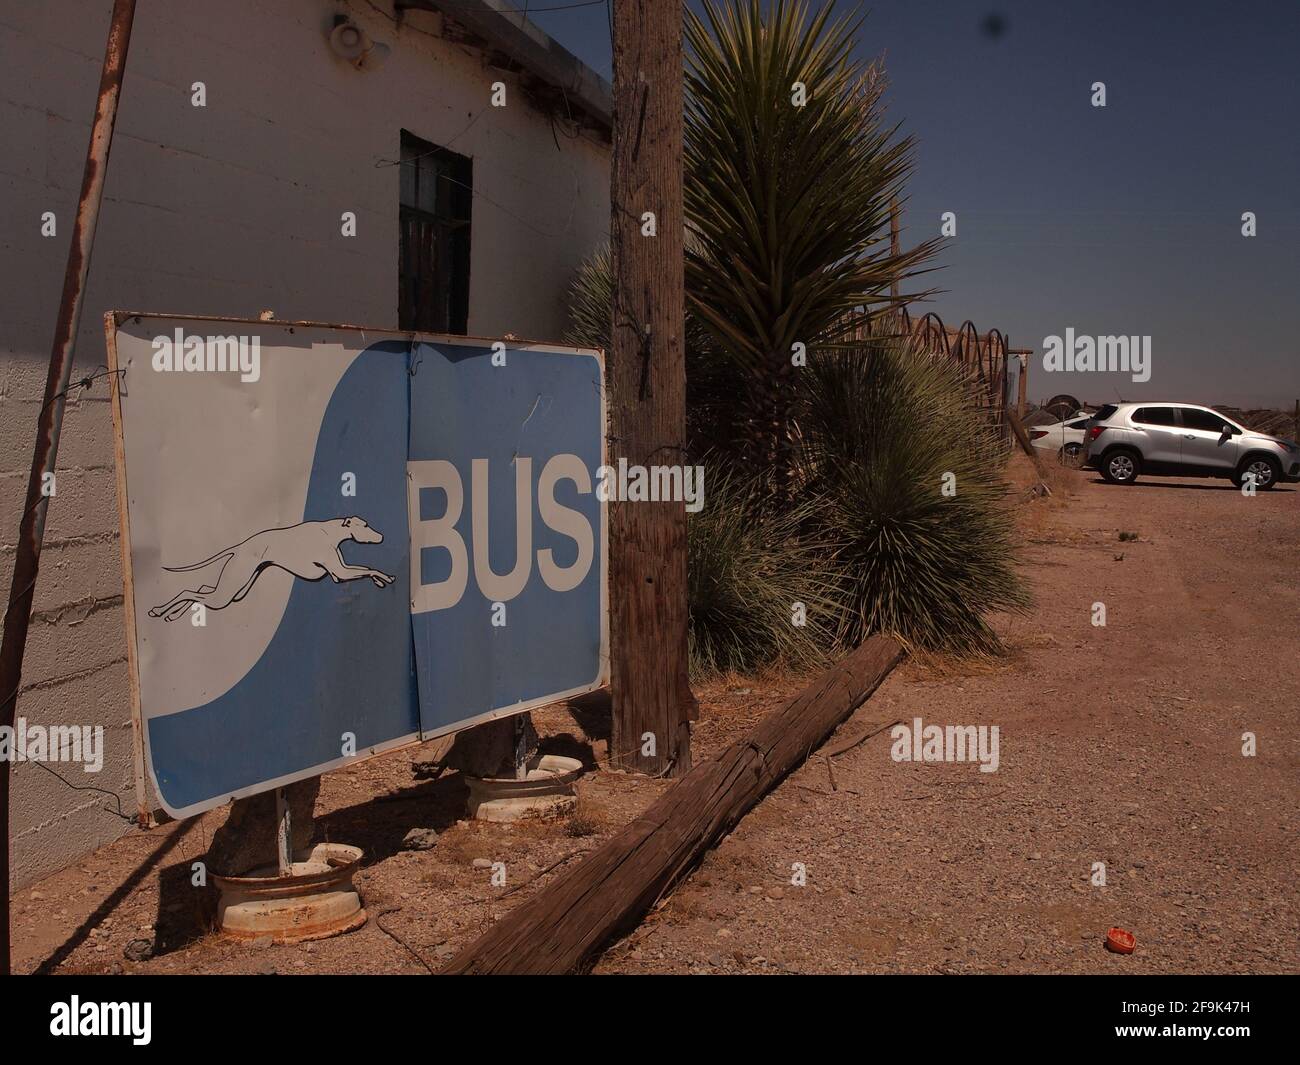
x,y
1125,440
1065,438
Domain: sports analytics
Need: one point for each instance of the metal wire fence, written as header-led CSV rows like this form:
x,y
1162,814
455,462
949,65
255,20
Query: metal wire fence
x,y
982,357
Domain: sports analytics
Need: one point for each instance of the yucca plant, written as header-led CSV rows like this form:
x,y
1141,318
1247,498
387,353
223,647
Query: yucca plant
x,y
710,381
591,302
790,171
840,505
894,441
749,572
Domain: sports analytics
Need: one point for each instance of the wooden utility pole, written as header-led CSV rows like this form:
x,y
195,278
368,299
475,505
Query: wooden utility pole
x,y
652,703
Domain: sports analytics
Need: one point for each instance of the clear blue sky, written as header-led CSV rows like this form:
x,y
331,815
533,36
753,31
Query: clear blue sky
x,y
1117,220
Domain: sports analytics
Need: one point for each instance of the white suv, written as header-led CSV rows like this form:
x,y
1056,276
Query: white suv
x,y
1183,440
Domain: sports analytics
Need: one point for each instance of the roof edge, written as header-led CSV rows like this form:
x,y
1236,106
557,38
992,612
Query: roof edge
x,y
509,32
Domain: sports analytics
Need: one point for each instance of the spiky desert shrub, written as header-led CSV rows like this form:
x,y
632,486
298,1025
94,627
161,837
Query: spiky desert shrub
x,y
838,500
591,301
910,471
747,569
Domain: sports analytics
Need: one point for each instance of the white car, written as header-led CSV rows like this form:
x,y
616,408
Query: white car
x,y
1065,438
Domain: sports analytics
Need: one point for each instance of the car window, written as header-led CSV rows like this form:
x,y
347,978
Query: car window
x,y
1155,416
1082,423
1203,419
1104,413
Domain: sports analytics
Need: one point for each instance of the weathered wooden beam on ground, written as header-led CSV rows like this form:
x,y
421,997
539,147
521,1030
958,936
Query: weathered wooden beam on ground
x,y
567,923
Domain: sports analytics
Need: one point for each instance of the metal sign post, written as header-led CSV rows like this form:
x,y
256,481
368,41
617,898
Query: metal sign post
x,y
521,748
283,832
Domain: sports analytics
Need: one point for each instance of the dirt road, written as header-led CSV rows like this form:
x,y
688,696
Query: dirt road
x,y
1119,744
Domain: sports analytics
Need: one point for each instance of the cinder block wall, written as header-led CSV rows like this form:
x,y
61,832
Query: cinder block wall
x,y
229,210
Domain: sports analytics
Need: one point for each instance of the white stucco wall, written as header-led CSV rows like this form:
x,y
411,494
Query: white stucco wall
x,y
228,210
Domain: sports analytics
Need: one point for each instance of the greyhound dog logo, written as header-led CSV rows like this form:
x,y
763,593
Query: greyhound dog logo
x,y
309,550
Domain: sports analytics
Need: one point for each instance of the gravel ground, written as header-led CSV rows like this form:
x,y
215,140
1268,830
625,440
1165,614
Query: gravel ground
x,y
1119,745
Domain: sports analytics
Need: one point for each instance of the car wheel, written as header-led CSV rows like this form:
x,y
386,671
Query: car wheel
x,y
1071,455
1265,470
1121,467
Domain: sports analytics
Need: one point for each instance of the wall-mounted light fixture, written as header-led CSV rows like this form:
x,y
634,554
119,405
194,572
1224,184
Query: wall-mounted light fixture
x,y
350,42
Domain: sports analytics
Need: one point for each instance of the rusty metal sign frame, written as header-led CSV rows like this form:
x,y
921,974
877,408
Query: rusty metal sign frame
x,y
147,814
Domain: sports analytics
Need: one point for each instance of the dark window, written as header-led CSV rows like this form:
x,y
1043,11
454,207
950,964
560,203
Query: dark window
x,y
1203,419
1155,416
433,258
1081,423
1107,409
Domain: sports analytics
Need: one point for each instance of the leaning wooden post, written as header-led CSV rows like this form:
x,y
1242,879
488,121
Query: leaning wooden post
x,y
647,392
49,422
1022,438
